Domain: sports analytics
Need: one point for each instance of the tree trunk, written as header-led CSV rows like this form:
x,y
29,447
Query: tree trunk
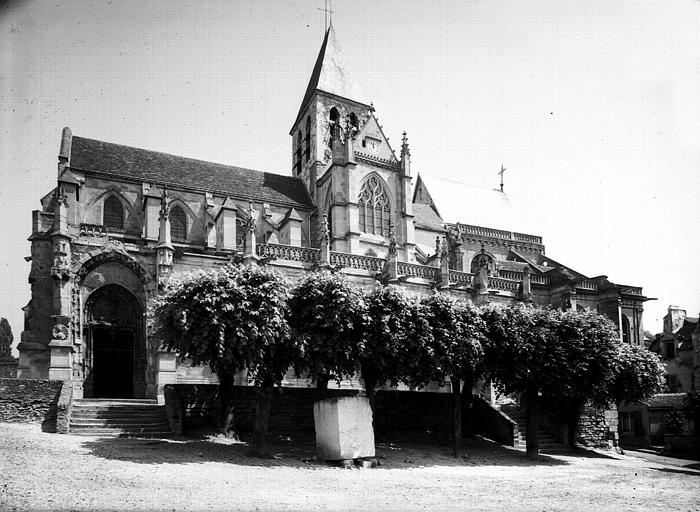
x,y
226,413
262,419
456,418
467,398
322,387
532,439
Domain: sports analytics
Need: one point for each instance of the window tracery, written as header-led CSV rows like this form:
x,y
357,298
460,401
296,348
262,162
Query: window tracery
x,y
113,213
374,207
178,224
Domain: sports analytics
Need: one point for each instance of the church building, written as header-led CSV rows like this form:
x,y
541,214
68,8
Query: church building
x,y
122,221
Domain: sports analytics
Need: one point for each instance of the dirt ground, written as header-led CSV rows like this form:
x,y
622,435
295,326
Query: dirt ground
x,y
40,471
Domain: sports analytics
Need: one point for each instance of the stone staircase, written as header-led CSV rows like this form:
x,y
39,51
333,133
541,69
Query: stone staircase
x,y
118,418
548,443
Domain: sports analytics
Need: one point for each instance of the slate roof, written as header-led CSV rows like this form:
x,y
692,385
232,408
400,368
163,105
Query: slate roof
x,y
666,401
330,74
425,217
90,155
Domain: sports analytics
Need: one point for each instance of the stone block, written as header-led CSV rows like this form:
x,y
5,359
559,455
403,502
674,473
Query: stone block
x,y
343,428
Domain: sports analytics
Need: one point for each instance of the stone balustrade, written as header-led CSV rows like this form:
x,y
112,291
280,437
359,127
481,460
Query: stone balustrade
x,y
631,290
513,275
460,278
93,230
497,233
415,270
370,263
539,279
587,284
506,285
288,252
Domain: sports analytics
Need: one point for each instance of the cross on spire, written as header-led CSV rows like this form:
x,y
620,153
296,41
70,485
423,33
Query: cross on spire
x,y
503,169
327,13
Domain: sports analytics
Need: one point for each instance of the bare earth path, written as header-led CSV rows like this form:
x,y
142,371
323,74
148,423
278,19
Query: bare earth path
x,y
40,471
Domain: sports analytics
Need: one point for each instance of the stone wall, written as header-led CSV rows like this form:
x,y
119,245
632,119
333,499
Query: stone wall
x,y
29,401
196,407
8,369
598,427
492,423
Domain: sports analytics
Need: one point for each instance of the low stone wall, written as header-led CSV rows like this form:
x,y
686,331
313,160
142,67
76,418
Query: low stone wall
x,y
492,423
8,369
30,401
196,407
598,427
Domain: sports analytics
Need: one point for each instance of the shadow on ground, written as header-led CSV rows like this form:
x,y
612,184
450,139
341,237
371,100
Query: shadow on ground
x,y
299,451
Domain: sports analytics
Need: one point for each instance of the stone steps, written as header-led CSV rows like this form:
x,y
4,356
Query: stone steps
x,y
547,442
118,418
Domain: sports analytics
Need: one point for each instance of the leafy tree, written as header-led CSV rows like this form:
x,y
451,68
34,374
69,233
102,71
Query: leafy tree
x,y
6,339
522,357
389,326
589,344
232,319
451,351
329,317
638,374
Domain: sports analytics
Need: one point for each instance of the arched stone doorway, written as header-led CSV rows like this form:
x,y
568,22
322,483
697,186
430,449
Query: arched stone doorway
x,y
114,322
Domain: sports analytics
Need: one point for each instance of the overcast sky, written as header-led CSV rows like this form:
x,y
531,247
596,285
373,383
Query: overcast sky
x,y
594,108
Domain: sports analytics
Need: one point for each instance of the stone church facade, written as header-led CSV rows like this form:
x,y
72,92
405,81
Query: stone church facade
x,y
122,221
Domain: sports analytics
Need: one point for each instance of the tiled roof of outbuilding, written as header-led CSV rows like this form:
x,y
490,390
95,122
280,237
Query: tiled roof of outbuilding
x,y
161,168
666,401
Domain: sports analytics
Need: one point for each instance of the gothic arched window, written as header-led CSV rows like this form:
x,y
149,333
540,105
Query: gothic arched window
x,y
375,209
240,234
307,149
297,153
481,260
625,330
178,224
113,214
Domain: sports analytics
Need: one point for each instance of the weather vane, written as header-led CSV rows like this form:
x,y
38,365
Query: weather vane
x,y
327,13
503,169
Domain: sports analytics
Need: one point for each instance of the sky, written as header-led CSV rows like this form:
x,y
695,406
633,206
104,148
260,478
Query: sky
x,y
593,107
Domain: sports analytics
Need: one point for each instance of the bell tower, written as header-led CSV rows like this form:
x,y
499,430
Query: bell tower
x,y
331,105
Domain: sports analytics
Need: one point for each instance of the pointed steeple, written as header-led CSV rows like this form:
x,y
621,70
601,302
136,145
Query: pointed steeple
x,y
330,73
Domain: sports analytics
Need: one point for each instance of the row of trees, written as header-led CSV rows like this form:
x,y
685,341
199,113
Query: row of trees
x,y
249,317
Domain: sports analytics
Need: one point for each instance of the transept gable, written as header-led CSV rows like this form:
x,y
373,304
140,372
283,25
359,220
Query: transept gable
x,y
371,144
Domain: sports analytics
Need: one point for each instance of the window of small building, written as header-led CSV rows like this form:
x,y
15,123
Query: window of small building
x,y
113,214
671,349
374,208
178,224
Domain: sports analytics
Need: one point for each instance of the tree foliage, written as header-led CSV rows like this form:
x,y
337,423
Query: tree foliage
x,y
231,319
390,324
638,374
329,317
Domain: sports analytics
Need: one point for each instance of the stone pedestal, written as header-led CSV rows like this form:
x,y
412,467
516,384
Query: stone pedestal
x,y
167,374
61,365
343,428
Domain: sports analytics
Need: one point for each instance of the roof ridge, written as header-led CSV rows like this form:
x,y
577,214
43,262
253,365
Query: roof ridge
x,y
185,157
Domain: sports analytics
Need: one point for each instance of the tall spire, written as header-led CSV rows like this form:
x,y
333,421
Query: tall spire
x,y
330,73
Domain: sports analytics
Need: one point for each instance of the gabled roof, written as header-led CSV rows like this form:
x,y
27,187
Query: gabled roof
x,y
330,73
88,155
467,204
